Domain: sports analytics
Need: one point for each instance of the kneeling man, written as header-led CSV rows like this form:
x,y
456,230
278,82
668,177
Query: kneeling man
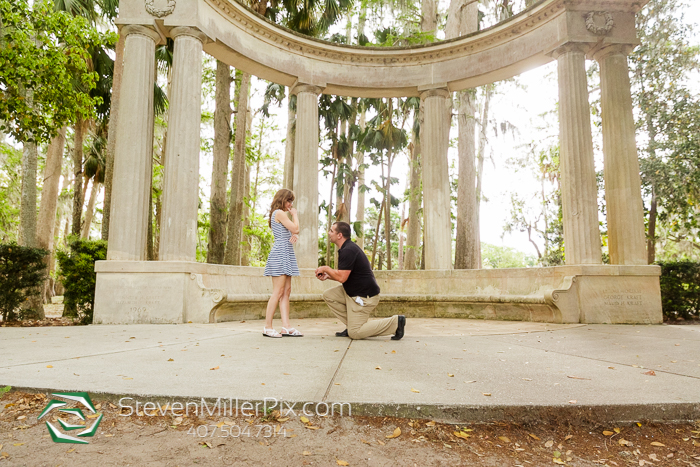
x,y
354,300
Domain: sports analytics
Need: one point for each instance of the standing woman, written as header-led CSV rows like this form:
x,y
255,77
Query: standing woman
x,y
282,263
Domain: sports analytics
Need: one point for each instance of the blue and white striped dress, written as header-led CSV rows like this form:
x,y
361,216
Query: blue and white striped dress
x,y
281,261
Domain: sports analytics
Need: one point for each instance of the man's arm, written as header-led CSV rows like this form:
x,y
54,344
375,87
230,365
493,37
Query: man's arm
x,y
325,272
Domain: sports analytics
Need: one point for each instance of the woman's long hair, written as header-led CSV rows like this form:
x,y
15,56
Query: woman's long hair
x,y
278,202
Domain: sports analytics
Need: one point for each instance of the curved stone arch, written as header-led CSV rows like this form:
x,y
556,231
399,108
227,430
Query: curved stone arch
x,y
245,40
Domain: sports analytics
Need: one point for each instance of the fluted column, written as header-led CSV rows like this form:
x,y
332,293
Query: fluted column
x,y
306,173
437,234
626,242
131,183
578,187
178,237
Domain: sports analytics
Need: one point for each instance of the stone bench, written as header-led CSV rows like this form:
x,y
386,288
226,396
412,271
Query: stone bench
x,y
181,292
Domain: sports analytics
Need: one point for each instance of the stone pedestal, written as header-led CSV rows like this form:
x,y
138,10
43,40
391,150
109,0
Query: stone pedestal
x,y
437,235
306,174
178,238
131,183
578,184
623,197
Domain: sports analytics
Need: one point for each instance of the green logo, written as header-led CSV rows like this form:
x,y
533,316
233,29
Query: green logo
x,y
87,431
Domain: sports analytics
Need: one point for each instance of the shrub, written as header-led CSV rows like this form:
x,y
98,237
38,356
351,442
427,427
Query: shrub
x,y
21,270
77,271
680,289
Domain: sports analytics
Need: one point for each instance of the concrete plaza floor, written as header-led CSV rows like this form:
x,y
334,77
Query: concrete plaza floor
x,y
446,369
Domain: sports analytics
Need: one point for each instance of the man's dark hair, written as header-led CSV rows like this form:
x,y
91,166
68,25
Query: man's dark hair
x,y
343,228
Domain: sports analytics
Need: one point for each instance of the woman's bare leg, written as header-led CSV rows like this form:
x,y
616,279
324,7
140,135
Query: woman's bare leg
x,y
284,301
277,290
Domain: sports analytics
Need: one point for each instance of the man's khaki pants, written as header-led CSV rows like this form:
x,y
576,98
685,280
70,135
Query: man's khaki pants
x,y
356,316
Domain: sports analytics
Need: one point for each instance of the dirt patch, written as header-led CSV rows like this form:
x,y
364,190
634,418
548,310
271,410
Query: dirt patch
x,y
285,439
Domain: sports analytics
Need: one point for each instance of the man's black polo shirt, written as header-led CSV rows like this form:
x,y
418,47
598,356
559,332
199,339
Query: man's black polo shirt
x,y
361,281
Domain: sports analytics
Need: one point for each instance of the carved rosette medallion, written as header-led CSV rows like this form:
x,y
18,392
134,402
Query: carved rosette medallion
x,y
592,25
160,12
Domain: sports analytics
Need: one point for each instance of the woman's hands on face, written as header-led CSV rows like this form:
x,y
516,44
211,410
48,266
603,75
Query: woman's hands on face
x,y
293,211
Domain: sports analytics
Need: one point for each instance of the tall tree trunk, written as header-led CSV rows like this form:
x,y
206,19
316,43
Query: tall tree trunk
x,y
387,207
428,16
467,248
85,233
78,199
112,133
382,209
463,19
651,238
415,196
219,177
151,254
480,165
329,245
234,235
360,212
34,308
401,224
288,181
245,239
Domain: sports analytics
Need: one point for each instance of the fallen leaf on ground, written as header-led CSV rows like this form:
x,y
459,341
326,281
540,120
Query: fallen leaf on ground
x,y
310,427
126,377
414,390
649,373
366,442
578,377
283,419
460,434
608,433
207,444
549,444
341,462
306,453
171,360
573,401
377,368
381,442
49,366
624,442
450,375
568,437
395,434
533,436
656,443
18,444
486,393
505,439
304,420
430,424
617,430
215,368
21,417
558,461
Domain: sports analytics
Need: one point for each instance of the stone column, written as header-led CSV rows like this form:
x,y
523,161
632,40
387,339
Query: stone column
x,y
578,188
306,173
178,237
626,242
131,182
437,234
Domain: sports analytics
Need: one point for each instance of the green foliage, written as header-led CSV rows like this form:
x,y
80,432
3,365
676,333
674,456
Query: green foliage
x,y
21,269
498,257
45,52
77,271
680,289
5,390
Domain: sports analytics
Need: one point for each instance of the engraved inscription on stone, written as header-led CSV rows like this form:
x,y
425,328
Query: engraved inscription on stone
x,y
630,298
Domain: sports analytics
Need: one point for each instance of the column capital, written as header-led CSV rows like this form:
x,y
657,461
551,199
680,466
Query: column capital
x,y
188,31
569,47
303,87
434,92
140,30
606,50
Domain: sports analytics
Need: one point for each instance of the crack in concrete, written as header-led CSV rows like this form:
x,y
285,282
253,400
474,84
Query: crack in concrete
x,y
330,384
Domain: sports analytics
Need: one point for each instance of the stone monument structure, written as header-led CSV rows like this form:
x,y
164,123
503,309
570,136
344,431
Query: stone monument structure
x,y
177,289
